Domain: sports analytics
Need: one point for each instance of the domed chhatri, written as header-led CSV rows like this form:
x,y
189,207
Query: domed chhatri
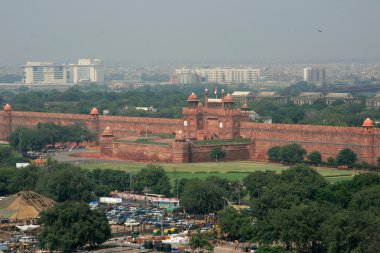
x,y
228,98
7,107
107,132
180,136
245,106
192,97
94,111
368,123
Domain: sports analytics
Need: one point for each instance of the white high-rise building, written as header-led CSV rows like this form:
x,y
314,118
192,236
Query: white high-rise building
x,y
44,72
87,70
314,74
224,75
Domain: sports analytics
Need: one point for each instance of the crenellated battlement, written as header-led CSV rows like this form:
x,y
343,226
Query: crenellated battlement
x,y
208,122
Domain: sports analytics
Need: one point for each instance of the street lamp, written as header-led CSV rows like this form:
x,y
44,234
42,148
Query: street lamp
x,y
47,167
19,140
85,174
82,137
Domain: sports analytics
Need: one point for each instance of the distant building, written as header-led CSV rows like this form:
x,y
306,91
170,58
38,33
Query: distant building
x,y
87,70
373,103
185,79
241,97
224,75
308,98
329,99
44,72
345,97
277,98
314,74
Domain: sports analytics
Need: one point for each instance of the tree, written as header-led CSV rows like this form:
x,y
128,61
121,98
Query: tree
x,y
23,139
65,182
113,179
69,225
346,157
299,226
292,153
199,241
274,154
257,181
77,133
314,158
237,224
303,176
51,132
378,161
269,249
200,197
347,231
217,153
367,199
154,178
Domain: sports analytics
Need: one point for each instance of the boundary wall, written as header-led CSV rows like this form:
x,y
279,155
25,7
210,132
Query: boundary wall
x,y
328,140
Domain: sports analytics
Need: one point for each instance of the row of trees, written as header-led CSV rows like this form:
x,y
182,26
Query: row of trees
x,y
169,100
294,153
297,208
48,134
301,210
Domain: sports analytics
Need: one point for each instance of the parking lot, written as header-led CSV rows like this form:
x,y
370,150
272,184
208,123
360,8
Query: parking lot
x,y
141,217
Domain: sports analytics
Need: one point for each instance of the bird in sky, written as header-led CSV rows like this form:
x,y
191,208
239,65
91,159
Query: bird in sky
x,y
319,30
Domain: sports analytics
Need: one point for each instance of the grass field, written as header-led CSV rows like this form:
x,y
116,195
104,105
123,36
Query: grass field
x,y
229,170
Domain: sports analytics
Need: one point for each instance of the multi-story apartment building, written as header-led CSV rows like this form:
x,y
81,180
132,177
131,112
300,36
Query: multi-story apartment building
x,y
224,75
87,70
44,72
185,79
314,74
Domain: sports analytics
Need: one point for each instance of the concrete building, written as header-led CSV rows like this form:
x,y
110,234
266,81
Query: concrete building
x,y
87,70
44,72
314,74
185,78
242,97
373,103
275,96
224,75
308,98
329,98
345,97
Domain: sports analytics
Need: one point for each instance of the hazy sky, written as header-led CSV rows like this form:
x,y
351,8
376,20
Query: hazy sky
x,y
192,31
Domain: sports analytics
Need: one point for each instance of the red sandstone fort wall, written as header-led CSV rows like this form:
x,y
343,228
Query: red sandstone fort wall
x,y
234,152
142,152
121,126
328,140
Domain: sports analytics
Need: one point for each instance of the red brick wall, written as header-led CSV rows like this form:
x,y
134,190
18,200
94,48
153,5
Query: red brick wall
x,y
328,140
121,126
177,152
234,152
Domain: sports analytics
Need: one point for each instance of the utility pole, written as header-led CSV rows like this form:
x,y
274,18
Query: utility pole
x,y
19,141
178,186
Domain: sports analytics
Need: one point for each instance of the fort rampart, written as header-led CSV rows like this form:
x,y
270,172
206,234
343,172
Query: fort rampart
x,y
328,140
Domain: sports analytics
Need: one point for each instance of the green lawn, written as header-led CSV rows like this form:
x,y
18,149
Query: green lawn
x,y
230,170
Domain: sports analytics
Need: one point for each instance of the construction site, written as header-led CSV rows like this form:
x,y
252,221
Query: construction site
x,y
18,221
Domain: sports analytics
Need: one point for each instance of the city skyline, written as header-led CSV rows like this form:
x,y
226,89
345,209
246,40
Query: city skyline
x,y
184,32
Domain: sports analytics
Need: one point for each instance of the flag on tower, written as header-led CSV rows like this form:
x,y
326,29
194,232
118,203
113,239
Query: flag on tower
x,y
216,90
